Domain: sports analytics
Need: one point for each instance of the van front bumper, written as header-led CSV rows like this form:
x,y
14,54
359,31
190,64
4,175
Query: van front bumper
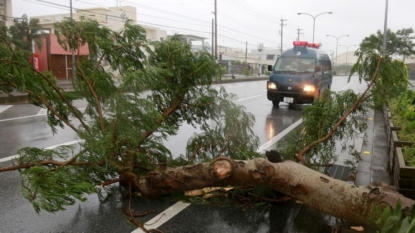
x,y
299,97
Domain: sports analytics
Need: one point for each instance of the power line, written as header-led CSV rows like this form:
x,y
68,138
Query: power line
x,y
262,13
120,20
248,10
60,6
208,24
244,25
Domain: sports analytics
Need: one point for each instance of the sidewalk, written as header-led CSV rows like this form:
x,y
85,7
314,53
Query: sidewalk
x,y
374,153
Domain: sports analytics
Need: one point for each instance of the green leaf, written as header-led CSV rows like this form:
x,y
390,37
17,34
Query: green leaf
x,y
384,216
398,210
411,227
390,223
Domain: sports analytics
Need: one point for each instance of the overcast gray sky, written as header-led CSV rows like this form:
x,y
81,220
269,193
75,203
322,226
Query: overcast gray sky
x,y
254,21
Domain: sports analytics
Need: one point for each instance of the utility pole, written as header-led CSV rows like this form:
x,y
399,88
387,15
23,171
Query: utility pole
x,y
213,36
246,52
385,29
282,29
216,31
298,33
72,50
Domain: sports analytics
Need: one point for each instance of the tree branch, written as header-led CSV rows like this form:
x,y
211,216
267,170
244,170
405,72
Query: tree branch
x,y
48,106
94,94
301,154
68,103
310,187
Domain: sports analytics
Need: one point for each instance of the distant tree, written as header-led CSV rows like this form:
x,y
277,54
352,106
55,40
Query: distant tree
x,y
24,32
397,44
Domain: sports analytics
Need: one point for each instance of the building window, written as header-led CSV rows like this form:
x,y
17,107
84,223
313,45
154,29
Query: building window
x,y
270,56
58,18
161,38
46,19
2,12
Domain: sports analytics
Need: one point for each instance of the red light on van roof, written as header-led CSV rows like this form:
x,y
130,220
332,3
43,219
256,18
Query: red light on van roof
x,y
300,43
314,45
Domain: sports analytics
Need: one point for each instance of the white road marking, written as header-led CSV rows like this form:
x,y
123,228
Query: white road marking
x,y
47,148
256,96
163,216
278,137
176,208
4,107
344,88
41,112
19,118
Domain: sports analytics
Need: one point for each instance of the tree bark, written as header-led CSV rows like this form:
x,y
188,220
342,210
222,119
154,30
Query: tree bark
x,y
334,197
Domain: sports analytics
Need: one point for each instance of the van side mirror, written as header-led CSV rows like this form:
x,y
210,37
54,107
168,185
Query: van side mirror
x,y
269,67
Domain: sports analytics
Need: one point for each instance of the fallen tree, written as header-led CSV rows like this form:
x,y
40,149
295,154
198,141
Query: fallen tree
x,y
122,138
332,196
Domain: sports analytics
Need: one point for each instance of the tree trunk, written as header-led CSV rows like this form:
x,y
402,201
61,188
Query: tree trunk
x,y
334,197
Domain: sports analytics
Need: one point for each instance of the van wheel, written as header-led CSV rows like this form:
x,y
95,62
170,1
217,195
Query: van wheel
x,y
275,102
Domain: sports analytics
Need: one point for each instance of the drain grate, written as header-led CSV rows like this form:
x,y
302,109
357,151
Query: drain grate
x,y
339,172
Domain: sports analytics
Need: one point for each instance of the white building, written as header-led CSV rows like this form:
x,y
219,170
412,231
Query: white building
x,y
266,55
6,17
345,58
111,17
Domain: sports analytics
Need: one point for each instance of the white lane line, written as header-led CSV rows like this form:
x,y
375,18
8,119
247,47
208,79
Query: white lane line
x,y
8,158
278,137
41,112
163,216
19,118
344,88
4,107
47,148
256,96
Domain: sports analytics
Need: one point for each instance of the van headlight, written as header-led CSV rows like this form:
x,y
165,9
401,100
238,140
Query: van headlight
x,y
309,88
271,86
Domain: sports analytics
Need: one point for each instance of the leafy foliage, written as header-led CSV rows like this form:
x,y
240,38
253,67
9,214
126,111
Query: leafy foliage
x,y
399,43
122,133
318,120
389,221
25,32
391,76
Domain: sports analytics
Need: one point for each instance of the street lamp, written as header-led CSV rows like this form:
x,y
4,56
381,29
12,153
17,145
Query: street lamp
x,y
314,19
347,50
337,44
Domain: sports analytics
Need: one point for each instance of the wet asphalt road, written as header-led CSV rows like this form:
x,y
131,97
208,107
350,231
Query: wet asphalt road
x,y
25,125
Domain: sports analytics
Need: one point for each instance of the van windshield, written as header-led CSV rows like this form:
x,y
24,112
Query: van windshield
x,y
295,64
